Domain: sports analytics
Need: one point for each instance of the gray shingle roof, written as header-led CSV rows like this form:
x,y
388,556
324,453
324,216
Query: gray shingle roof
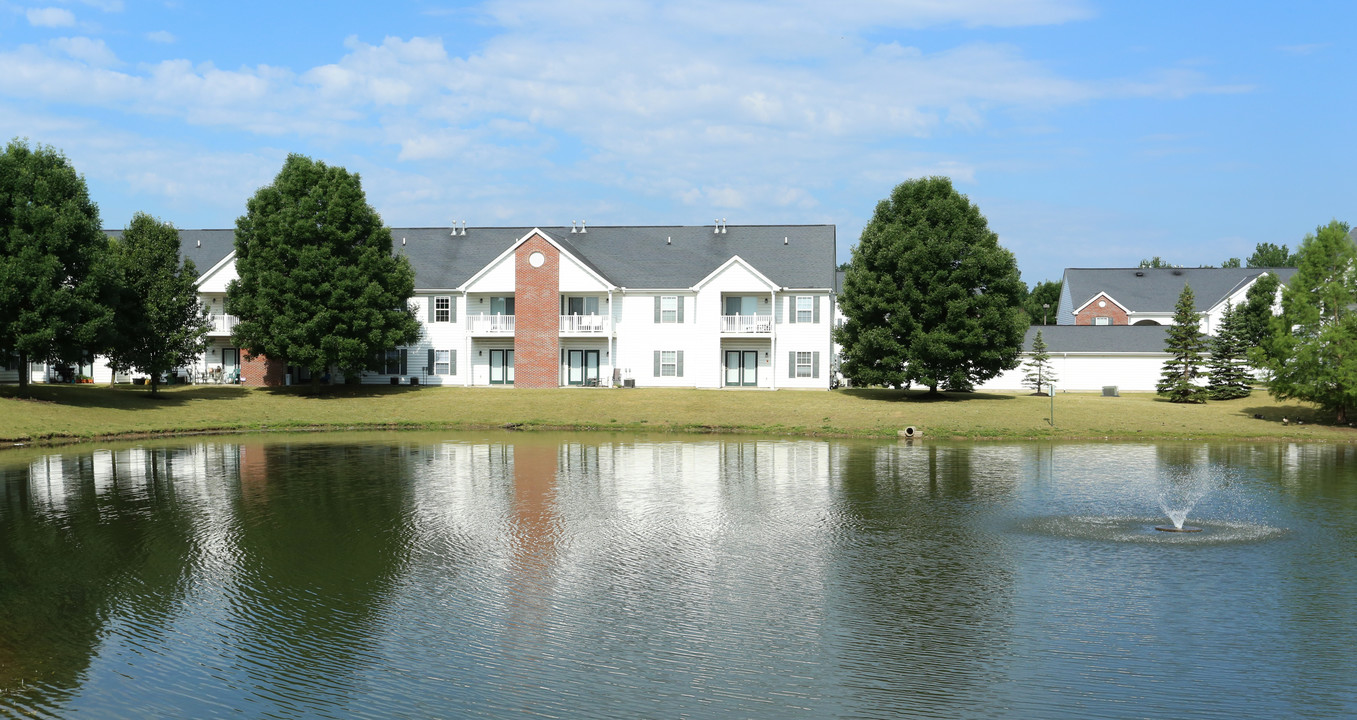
x,y
1099,338
634,257
1157,289
630,257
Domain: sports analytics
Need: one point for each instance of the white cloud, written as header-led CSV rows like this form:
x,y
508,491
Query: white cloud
x,y
50,17
91,51
163,37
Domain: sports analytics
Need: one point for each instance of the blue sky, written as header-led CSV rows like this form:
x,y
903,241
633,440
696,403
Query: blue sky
x,y
1089,133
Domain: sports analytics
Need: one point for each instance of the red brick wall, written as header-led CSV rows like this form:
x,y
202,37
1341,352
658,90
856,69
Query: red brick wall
x,y
1090,311
537,322
259,371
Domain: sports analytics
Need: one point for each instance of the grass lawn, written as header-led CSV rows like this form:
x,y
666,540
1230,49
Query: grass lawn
x,y
55,413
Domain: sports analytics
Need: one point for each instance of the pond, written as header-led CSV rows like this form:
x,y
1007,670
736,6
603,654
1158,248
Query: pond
x,y
542,575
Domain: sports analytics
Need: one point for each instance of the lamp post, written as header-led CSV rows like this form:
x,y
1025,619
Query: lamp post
x,y
1044,308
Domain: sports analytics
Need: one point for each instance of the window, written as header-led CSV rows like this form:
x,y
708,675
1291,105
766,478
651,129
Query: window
x,y
668,363
442,363
803,360
1102,320
803,364
442,309
395,362
805,309
669,309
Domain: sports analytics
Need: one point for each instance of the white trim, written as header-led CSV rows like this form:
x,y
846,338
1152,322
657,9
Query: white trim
x,y
1097,295
230,258
734,259
514,247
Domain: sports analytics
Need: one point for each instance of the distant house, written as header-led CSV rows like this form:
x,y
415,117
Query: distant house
x,y
1090,357
1147,296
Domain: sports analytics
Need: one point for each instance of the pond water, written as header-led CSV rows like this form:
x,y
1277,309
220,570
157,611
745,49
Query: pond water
x,y
522,575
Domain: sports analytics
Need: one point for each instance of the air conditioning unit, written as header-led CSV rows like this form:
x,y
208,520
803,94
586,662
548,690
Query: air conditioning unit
x,y
1110,391
629,383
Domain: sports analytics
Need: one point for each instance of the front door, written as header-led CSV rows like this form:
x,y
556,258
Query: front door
x,y
742,368
501,367
582,367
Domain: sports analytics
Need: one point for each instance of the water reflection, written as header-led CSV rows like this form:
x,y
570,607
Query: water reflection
x,y
616,576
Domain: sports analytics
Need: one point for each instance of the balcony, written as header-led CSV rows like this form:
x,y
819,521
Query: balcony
x,y
584,325
222,324
746,324
491,324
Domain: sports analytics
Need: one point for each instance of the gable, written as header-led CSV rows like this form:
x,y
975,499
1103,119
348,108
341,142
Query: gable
x,y
736,275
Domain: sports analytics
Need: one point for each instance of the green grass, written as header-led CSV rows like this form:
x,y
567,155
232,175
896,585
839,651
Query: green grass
x,y
55,413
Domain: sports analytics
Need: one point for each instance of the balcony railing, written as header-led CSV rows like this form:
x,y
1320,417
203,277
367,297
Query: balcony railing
x,y
492,324
747,324
222,324
584,325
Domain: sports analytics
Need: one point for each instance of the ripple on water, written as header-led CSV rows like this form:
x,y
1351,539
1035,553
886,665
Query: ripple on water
x,y
1142,530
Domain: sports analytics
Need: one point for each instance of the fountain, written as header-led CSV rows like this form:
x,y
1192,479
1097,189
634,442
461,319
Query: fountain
x,y
1181,487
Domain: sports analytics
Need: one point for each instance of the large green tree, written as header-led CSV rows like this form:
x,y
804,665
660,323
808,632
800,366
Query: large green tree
x,y
1187,346
54,295
1270,255
930,297
318,284
1255,315
161,322
1042,301
1311,354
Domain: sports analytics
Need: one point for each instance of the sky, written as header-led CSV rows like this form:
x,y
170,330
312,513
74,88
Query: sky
x,y
1089,133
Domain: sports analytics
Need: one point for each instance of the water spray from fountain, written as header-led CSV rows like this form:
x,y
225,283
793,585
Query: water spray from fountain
x,y
1182,487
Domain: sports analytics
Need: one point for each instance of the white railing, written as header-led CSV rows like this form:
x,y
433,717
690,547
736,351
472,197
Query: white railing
x,y
583,324
755,324
492,324
223,324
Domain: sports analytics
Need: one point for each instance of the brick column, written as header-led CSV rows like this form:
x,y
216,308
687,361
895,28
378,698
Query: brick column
x,y
537,311
259,371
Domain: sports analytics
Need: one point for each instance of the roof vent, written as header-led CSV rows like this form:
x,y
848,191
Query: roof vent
x,y
464,228
1177,272
198,242
402,242
716,230
573,229
723,226
583,228
1140,273
784,240
669,240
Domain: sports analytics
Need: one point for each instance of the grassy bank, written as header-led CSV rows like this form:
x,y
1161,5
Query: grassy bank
x,y
65,412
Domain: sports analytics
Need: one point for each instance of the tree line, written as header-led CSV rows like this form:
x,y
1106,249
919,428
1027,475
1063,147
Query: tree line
x,y
318,285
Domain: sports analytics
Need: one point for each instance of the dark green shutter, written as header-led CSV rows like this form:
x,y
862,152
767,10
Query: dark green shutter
x,y
791,309
791,363
452,308
815,303
815,364
679,370
429,369
657,311
433,303
679,302
405,357
657,363
452,362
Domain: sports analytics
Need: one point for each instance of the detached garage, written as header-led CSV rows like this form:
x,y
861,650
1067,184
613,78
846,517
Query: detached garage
x,y
1087,358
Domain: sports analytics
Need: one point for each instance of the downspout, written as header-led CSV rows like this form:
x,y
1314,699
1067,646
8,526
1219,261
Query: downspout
x,y
470,363
772,343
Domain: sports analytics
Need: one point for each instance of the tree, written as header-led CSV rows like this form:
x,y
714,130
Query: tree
x,y
54,297
1186,344
930,297
318,284
1311,354
161,322
1268,255
1228,368
1255,315
1039,366
1157,262
1044,293
1233,262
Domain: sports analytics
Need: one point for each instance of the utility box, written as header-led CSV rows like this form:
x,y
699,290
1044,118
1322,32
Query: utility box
x,y
1110,391
629,383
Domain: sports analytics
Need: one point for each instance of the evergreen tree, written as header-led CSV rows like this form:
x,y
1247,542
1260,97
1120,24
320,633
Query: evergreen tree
x,y
54,297
1038,366
1228,369
161,323
930,297
319,286
1186,344
1255,315
1311,353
